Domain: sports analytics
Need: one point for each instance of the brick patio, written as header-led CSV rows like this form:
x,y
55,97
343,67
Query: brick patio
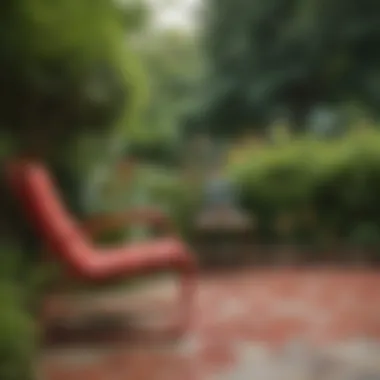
x,y
274,324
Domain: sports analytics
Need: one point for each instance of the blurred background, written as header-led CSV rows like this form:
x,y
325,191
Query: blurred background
x,y
141,102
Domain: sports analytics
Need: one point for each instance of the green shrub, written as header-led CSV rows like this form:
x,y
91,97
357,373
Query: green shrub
x,y
20,289
326,188
160,188
157,151
17,335
169,191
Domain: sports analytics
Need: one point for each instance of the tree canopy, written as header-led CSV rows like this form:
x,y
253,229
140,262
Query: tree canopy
x,y
173,65
276,56
66,66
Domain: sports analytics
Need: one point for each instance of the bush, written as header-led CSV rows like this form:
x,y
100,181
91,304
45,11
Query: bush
x,y
20,289
173,194
157,151
17,335
319,189
158,187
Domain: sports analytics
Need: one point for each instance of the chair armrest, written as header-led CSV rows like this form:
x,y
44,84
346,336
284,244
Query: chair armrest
x,y
109,221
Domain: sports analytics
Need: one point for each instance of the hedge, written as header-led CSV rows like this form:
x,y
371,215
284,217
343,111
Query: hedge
x,y
314,191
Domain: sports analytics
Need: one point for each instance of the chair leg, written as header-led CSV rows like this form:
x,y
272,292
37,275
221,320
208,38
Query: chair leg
x,y
189,283
187,292
185,308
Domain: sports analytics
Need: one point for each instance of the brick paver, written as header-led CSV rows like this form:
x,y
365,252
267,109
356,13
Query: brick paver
x,y
275,324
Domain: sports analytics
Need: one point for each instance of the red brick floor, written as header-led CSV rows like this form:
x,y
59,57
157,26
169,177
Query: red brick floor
x,y
239,318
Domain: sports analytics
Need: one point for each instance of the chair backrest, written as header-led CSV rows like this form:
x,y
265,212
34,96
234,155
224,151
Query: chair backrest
x,y
36,191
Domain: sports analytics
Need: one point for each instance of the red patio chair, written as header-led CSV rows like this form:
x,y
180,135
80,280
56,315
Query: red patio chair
x,y
35,189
